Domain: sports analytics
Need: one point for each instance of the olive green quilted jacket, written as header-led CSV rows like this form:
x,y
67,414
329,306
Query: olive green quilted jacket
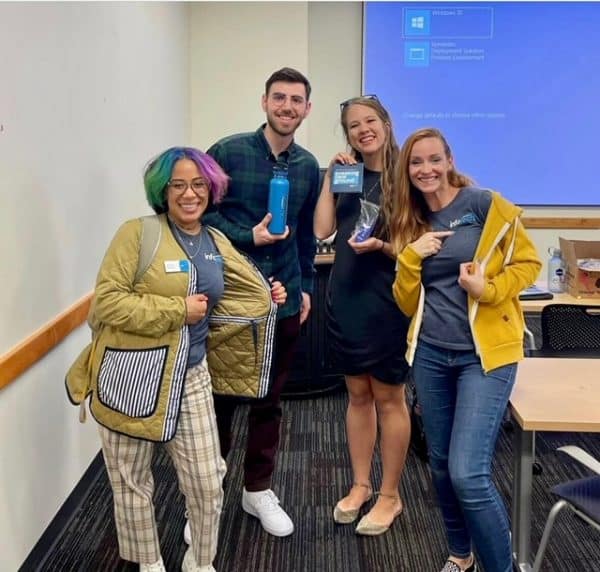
x,y
134,368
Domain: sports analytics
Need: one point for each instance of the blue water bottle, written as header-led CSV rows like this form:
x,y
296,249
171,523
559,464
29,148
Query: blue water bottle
x,y
279,189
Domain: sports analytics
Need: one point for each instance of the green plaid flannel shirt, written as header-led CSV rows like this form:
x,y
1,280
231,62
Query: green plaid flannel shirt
x,y
248,160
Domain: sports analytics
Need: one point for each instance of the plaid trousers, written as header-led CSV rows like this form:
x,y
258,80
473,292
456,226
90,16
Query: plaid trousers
x,y
200,468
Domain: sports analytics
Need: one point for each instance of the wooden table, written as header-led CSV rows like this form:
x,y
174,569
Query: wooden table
x,y
536,306
550,394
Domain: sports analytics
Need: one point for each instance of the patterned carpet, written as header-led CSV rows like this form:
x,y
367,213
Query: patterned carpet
x,y
313,472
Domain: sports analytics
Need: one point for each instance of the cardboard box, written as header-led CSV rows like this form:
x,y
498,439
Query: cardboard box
x,y
576,254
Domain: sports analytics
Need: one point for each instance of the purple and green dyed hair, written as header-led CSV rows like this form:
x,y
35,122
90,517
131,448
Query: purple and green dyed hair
x,y
158,172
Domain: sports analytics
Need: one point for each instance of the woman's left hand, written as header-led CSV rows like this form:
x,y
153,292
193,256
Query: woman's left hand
x,y
278,292
371,244
471,279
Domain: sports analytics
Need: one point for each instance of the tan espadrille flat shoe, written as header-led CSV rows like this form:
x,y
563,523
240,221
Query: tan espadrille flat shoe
x,y
367,527
348,516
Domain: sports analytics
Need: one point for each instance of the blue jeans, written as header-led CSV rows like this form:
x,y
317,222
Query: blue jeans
x,y
462,410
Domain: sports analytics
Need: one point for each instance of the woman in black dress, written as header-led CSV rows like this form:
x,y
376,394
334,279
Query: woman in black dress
x,y
367,331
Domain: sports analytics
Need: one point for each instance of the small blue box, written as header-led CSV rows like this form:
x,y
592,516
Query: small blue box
x,y
347,178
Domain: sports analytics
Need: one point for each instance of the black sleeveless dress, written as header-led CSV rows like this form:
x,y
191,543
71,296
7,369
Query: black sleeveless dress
x,y
367,331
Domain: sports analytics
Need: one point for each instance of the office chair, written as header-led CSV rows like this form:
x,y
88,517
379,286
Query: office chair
x,y
569,330
582,496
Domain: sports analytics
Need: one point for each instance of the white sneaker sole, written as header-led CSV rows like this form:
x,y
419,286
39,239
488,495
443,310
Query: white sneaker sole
x,y
275,532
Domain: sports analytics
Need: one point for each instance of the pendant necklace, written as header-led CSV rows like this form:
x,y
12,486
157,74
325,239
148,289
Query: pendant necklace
x,y
368,193
188,239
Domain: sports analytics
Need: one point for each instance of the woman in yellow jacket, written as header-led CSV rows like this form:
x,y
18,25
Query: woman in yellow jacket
x,y
464,258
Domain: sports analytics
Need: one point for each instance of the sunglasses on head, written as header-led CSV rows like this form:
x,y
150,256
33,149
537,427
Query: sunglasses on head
x,y
370,96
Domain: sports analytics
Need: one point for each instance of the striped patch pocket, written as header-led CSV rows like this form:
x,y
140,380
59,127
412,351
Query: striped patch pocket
x,y
129,380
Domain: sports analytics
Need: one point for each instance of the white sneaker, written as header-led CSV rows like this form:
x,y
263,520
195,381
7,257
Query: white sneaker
x,y
187,533
264,505
189,564
156,567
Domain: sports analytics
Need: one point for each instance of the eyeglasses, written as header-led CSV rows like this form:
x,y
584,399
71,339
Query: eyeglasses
x,y
370,96
180,186
280,98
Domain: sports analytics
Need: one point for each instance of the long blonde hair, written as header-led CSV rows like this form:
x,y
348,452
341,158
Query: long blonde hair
x,y
391,152
410,212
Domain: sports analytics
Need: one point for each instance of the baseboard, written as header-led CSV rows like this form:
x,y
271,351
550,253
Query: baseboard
x,y
43,547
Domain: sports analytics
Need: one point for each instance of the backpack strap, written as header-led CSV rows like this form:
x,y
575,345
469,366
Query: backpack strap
x,y
151,233
149,241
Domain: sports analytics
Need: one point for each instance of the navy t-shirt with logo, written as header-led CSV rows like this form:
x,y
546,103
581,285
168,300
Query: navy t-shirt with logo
x,y
445,319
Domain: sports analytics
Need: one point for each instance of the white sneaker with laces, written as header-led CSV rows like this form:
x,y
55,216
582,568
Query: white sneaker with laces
x,y
187,533
264,505
189,564
155,567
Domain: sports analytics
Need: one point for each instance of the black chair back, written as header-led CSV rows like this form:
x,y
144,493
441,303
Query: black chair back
x,y
570,330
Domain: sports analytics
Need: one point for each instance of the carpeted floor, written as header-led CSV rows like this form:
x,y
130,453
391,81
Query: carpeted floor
x,y
313,472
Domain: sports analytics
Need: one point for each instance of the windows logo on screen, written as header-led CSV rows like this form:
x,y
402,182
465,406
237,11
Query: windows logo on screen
x,y
416,22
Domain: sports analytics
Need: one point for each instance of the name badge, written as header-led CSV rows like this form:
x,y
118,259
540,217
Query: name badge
x,y
177,266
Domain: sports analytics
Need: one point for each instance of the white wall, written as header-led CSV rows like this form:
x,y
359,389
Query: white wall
x,y
320,39
89,92
228,77
334,55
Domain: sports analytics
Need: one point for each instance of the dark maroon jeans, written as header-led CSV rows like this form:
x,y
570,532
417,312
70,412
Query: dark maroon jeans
x,y
264,417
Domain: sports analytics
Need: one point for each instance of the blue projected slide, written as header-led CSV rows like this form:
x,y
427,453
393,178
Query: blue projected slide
x,y
515,86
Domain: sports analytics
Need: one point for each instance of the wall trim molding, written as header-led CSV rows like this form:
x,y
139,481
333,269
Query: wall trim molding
x,y
37,345
583,223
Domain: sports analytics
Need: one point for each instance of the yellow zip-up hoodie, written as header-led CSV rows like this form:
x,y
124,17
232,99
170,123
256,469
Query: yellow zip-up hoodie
x,y
509,262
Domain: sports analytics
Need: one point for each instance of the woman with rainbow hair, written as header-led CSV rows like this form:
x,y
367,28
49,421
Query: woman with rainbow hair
x,y
146,368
